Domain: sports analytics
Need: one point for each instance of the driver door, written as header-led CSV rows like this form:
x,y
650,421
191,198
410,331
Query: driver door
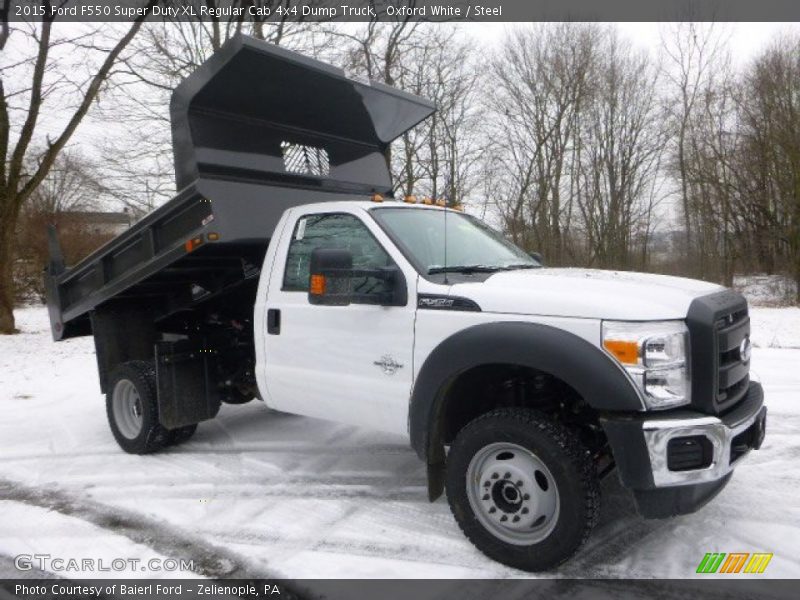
x,y
351,364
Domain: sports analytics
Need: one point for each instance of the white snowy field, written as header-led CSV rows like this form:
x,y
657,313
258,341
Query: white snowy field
x,y
259,493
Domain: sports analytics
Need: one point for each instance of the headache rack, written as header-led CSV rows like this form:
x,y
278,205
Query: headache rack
x,y
256,129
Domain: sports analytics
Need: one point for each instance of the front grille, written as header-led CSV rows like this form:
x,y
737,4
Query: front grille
x,y
732,371
718,324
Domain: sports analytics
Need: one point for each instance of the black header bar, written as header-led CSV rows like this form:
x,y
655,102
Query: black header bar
x,y
465,11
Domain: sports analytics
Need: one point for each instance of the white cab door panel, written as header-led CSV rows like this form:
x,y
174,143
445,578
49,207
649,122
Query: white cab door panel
x,y
352,364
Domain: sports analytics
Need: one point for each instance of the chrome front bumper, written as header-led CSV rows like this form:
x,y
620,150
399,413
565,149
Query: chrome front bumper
x,y
658,433
640,444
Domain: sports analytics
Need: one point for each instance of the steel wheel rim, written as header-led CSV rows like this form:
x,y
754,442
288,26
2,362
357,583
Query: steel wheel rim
x,y
512,493
127,408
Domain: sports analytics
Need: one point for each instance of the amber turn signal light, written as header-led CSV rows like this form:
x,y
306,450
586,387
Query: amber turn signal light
x,y
625,352
317,285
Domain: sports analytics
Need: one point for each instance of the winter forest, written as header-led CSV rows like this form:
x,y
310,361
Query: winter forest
x,y
572,140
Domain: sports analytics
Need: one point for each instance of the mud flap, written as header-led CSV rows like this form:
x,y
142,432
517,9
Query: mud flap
x,y
187,386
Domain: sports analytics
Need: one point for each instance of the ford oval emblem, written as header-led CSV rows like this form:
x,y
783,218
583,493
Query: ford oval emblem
x,y
745,349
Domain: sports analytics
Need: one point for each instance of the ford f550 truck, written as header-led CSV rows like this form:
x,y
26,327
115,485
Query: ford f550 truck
x,y
279,272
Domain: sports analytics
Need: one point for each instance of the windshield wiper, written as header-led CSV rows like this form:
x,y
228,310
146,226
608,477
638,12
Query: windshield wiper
x,y
463,269
520,266
479,268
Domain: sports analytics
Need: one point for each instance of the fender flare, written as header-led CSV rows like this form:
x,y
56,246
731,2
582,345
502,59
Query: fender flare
x,y
585,367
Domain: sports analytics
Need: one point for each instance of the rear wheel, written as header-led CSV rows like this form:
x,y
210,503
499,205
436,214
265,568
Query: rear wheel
x,y
132,408
522,488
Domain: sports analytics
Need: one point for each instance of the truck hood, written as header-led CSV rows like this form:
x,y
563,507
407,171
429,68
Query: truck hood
x,y
587,293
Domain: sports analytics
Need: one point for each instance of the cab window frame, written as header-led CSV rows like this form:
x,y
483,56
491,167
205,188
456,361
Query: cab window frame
x,y
284,288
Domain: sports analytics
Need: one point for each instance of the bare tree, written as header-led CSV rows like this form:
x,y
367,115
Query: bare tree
x,y
70,194
770,124
38,61
540,86
693,50
438,156
622,139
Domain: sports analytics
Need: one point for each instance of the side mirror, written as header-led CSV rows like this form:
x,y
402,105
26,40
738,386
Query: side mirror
x,y
537,257
332,276
329,277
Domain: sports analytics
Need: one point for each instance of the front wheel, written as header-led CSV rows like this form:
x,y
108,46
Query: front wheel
x,y
522,488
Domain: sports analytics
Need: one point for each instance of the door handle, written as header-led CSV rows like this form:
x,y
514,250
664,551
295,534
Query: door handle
x,y
273,321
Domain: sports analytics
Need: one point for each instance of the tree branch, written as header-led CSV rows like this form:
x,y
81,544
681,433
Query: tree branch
x,y
91,94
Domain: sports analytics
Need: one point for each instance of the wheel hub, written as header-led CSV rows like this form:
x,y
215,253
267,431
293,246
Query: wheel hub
x,y
512,493
127,408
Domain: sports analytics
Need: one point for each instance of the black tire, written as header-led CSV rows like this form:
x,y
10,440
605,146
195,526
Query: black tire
x,y
181,435
234,396
151,436
569,464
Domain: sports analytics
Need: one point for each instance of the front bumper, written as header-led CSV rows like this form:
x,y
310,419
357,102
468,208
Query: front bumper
x,y
642,452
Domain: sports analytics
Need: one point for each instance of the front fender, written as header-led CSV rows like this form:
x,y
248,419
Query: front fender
x,y
586,368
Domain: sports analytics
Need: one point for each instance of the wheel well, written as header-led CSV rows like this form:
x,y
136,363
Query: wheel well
x,y
487,387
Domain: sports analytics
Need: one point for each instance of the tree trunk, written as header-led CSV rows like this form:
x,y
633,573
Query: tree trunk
x,y
7,324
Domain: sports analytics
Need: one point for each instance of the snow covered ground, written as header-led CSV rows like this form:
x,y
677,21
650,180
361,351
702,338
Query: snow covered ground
x,y
260,493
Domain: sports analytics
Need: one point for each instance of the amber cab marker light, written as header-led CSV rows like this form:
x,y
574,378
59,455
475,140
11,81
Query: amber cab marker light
x,y
441,202
427,201
625,352
377,198
410,199
193,243
317,287
213,236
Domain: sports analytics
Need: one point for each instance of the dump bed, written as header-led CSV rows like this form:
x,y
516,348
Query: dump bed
x,y
256,129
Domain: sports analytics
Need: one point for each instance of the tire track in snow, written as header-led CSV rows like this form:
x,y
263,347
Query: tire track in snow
x,y
209,560
373,488
206,449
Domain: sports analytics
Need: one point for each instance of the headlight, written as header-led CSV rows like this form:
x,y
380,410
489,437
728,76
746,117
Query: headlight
x,y
654,353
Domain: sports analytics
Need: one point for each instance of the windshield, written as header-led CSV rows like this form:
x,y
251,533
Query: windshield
x,y
472,246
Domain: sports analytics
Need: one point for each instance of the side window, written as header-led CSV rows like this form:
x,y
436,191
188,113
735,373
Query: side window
x,y
335,230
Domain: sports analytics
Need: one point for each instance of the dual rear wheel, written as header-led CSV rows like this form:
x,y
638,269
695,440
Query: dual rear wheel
x,y
132,409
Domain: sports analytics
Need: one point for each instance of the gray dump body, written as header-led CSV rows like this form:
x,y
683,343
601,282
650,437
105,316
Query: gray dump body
x,y
256,129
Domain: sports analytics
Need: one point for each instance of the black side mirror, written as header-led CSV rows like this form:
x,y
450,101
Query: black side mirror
x,y
537,257
331,277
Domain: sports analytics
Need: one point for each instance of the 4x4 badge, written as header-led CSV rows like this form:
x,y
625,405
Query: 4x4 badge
x,y
388,365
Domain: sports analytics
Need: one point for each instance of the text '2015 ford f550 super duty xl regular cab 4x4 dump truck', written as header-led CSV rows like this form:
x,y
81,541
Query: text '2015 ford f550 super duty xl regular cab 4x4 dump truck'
x,y
277,273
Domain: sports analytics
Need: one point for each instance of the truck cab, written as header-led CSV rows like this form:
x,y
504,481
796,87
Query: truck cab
x,y
284,270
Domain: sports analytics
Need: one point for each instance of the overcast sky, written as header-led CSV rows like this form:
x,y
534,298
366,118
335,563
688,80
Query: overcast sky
x,y
746,38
